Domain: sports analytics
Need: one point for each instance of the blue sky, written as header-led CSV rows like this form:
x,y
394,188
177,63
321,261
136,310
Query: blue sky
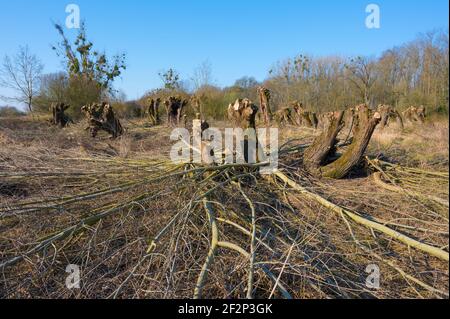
x,y
237,37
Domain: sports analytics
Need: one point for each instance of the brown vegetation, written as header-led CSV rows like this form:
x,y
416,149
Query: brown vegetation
x,y
353,189
142,227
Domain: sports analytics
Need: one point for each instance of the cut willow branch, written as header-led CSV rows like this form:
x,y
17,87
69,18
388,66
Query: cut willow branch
x,y
252,245
212,250
391,264
397,189
238,249
73,230
431,250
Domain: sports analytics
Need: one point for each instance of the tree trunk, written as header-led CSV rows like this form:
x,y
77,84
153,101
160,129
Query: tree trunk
x,y
352,156
385,112
102,117
324,145
30,106
316,156
264,98
59,116
174,109
243,114
153,111
399,119
314,120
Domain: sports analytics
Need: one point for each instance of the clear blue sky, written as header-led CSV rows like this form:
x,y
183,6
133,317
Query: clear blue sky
x,y
238,37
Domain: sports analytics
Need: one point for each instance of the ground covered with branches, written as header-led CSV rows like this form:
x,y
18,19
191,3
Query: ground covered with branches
x,y
140,226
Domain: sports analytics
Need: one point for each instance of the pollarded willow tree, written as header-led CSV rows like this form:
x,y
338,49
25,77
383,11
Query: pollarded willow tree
x,y
175,106
320,158
101,117
59,117
317,157
264,102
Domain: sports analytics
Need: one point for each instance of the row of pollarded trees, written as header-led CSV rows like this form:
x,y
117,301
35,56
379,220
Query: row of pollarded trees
x,y
297,114
174,106
320,157
100,116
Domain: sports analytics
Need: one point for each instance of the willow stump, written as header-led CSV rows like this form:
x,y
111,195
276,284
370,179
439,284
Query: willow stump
x,y
264,102
284,116
389,113
324,146
203,147
153,111
174,110
304,117
317,157
415,114
243,115
58,114
102,117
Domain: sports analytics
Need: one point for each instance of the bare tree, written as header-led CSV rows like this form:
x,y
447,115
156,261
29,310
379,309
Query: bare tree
x,y
202,75
21,73
362,75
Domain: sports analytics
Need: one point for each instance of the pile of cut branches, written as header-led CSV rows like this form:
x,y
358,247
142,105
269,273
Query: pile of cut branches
x,y
149,228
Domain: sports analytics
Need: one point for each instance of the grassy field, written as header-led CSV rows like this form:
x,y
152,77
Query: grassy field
x,y
140,226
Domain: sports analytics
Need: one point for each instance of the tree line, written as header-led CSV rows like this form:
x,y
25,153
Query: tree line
x,y
415,73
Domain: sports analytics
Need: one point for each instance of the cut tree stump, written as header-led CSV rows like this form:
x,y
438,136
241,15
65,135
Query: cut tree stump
x,y
304,117
203,150
316,156
314,120
102,117
284,116
415,114
153,111
325,145
264,101
389,113
243,115
174,109
58,115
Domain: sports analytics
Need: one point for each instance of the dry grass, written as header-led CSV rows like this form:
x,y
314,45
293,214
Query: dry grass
x,y
419,145
138,227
